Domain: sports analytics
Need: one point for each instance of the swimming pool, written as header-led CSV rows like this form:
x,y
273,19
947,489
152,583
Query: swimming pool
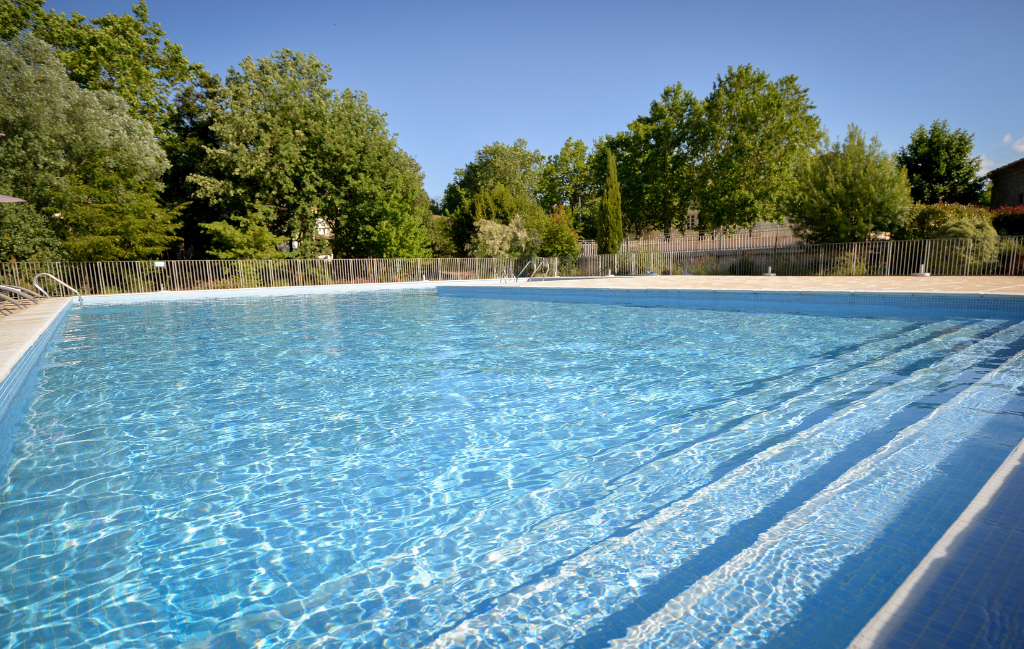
x,y
399,469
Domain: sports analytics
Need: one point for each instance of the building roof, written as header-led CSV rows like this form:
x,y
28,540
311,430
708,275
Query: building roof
x,y
1016,165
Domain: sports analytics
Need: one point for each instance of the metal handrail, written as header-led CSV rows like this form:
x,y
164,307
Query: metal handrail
x,y
62,283
28,295
536,269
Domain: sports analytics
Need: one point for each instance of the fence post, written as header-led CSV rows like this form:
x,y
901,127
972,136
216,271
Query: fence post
x,y
888,255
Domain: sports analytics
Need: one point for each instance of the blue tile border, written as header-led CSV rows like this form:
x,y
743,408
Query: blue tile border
x,y
829,303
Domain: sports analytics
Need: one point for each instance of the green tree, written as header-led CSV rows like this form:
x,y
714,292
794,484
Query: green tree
x,y
559,238
940,165
189,134
514,166
79,158
25,235
656,160
849,190
566,178
746,146
292,152
18,15
609,214
127,55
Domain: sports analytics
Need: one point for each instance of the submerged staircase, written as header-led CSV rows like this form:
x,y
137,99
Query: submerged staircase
x,y
742,554
787,526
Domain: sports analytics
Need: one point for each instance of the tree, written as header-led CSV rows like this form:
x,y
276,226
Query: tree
x,y
126,55
79,158
566,178
514,166
746,146
18,15
609,214
940,165
656,158
290,152
25,235
849,190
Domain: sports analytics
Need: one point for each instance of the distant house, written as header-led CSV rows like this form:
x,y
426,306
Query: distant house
x,y
1008,184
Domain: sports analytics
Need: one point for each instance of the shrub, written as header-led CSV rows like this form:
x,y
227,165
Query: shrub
x,y
1009,221
926,220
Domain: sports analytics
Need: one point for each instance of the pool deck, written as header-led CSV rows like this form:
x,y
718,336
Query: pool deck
x,y
944,285
968,591
21,329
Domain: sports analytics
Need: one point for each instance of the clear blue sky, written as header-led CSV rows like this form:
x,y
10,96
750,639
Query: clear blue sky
x,y
454,76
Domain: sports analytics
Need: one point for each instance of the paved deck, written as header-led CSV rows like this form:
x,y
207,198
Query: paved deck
x,y
20,329
993,285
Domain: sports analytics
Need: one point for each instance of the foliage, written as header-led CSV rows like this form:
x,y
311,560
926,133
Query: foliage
x,y
1009,221
126,55
751,136
566,179
17,15
291,151
656,157
514,166
249,240
559,239
26,236
515,239
188,135
609,214
849,190
924,221
439,235
940,166
983,249
80,154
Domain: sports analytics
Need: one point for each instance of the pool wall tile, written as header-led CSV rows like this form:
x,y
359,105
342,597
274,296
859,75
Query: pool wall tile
x,y
828,303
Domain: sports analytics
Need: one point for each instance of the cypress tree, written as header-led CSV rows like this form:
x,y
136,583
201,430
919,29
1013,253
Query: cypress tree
x,y
609,213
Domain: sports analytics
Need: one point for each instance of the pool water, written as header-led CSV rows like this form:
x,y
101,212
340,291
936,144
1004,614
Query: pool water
x,y
398,469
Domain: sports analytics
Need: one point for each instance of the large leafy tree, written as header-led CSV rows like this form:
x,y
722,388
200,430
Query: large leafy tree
x,y
79,158
513,166
501,181
609,214
189,133
126,55
940,165
290,152
656,159
566,179
746,146
17,15
850,189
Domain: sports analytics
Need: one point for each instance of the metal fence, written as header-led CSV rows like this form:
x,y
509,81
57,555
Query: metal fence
x,y
1004,256
754,238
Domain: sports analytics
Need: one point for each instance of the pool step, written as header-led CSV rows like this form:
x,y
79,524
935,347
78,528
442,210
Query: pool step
x,y
693,454
567,605
760,590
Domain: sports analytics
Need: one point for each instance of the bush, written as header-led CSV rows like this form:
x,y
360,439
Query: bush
x,y
1009,221
925,221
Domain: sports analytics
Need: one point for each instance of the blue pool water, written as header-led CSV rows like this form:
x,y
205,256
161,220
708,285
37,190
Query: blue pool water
x,y
395,469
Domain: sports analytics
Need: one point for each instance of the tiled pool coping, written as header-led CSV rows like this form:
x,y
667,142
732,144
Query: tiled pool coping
x,y
917,615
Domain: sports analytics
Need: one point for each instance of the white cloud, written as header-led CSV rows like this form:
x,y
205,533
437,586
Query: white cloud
x,y
1018,146
987,164
1007,138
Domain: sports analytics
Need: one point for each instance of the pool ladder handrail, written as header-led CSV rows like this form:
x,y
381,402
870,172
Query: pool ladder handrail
x,y
536,269
59,281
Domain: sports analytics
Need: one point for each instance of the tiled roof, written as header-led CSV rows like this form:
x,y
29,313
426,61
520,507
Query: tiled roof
x,y
1005,169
